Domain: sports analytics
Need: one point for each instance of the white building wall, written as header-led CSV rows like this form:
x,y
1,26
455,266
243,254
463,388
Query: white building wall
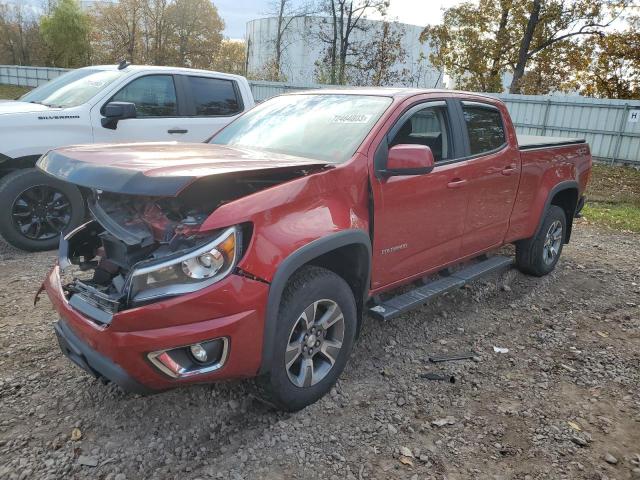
x,y
303,49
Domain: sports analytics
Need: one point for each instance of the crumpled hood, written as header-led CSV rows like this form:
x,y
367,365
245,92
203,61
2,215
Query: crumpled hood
x,y
162,169
15,106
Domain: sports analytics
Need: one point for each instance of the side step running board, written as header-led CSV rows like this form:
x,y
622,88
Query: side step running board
x,y
400,304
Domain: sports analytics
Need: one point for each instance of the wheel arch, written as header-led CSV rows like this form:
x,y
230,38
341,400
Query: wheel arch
x,y
564,195
9,164
567,199
346,253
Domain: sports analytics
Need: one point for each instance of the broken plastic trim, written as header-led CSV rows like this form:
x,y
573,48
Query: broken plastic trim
x,y
113,227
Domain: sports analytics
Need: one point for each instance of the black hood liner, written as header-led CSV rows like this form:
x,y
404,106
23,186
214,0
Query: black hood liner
x,y
110,178
130,181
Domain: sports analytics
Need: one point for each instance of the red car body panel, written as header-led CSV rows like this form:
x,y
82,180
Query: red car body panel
x,y
291,215
235,311
417,225
542,170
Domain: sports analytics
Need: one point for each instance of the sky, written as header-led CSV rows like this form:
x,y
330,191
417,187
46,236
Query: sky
x,y
236,13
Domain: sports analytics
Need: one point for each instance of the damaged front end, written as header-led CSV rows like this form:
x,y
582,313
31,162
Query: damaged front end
x,y
138,249
149,203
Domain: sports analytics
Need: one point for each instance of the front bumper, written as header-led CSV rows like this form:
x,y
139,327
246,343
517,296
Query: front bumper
x,y
233,308
93,362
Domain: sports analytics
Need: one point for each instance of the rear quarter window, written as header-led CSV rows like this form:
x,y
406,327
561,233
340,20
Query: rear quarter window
x,y
485,128
214,97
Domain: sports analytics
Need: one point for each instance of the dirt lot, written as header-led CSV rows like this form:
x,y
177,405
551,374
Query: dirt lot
x,y
564,397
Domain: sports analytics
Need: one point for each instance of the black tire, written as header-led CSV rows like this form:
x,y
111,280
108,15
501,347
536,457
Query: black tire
x,y
309,286
532,255
14,185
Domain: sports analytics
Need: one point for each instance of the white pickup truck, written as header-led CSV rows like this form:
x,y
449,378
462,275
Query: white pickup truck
x,y
101,104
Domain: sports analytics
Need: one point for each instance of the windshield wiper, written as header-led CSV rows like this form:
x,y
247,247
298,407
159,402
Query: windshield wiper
x,y
50,105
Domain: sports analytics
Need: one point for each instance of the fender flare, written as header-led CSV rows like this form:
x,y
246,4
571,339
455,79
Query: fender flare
x,y
293,262
9,164
566,185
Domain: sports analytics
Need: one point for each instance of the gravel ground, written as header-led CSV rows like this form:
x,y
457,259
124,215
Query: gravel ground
x,y
562,403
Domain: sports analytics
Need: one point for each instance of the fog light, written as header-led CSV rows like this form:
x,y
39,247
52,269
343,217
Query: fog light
x,y
196,359
199,353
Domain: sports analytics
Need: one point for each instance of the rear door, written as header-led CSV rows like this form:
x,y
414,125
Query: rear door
x,y
418,220
211,103
160,115
492,174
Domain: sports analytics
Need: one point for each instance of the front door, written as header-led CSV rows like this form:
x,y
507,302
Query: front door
x,y
158,113
419,220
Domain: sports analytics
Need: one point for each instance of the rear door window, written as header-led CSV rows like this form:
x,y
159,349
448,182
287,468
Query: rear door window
x,y
214,97
154,96
484,125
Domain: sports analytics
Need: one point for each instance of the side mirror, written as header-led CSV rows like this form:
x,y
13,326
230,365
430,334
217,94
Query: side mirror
x,y
115,111
408,160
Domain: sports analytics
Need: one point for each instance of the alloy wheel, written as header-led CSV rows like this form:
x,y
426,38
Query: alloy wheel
x,y
552,242
314,343
41,212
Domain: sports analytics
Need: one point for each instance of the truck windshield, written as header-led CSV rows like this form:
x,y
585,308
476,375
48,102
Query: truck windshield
x,y
322,127
73,88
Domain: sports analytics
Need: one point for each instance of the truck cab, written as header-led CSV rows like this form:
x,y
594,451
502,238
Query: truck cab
x,y
101,104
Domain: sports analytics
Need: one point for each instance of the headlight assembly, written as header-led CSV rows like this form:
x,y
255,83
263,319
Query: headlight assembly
x,y
189,272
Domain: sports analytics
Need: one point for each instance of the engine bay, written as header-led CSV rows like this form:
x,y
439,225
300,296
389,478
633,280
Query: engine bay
x,y
134,231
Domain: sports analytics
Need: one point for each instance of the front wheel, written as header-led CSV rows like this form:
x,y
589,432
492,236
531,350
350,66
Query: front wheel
x,y
37,209
539,255
316,329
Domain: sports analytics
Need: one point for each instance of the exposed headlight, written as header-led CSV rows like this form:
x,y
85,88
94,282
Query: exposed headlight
x,y
187,273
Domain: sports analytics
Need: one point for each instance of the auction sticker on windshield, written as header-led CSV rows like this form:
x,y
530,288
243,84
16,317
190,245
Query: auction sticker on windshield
x,y
352,118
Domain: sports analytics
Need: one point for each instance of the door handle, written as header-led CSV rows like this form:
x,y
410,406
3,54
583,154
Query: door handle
x,y
509,169
457,183
177,130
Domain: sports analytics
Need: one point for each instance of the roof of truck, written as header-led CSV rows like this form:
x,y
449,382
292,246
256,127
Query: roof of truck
x,y
395,92
157,68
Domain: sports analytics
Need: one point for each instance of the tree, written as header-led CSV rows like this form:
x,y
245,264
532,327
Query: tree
x,y
66,35
118,31
550,22
344,17
377,65
556,69
230,57
285,13
196,33
615,68
157,30
20,39
478,44
474,43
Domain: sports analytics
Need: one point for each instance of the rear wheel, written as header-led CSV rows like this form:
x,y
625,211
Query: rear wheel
x,y
314,338
37,209
539,255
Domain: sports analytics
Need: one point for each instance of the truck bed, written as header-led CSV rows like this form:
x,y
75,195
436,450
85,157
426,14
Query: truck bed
x,y
529,142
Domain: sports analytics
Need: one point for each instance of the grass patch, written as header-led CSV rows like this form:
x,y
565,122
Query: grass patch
x,y
613,198
10,92
614,185
620,216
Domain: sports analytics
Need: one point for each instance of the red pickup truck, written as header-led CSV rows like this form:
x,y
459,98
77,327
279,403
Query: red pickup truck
x,y
258,253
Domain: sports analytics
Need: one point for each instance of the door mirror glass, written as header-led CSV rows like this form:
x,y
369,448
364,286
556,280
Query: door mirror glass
x,y
116,111
409,160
